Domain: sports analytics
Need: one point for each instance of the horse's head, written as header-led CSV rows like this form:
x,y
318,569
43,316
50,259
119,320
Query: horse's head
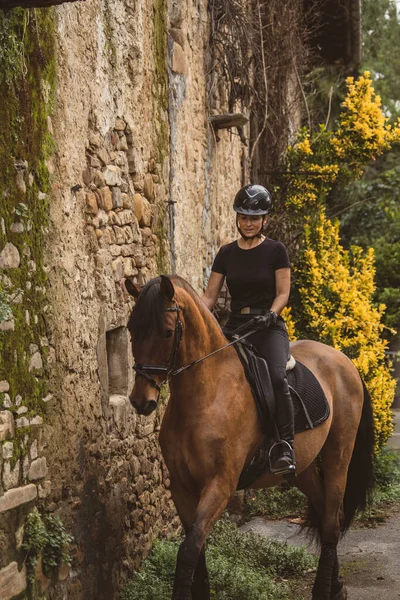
x,y
156,329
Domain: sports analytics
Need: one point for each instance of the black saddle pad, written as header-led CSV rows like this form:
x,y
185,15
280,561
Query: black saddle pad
x,y
311,407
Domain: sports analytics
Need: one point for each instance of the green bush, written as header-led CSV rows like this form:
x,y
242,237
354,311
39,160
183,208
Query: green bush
x,y
276,502
242,566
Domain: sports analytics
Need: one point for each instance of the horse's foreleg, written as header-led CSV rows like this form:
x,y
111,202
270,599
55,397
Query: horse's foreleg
x,y
213,500
201,583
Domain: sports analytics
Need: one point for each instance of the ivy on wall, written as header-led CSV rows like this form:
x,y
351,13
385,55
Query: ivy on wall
x,y
27,85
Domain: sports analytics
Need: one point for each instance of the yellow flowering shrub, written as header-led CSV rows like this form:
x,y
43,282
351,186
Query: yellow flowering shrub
x,y
334,287
363,132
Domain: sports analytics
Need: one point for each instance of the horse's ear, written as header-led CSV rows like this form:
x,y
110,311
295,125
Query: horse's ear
x,y
132,288
167,288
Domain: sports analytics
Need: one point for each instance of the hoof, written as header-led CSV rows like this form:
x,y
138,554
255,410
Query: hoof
x,y
342,595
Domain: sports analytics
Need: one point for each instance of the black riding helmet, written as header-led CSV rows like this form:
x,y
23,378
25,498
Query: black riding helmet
x,y
253,200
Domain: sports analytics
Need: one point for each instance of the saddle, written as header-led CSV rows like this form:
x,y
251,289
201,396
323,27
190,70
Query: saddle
x,y
311,407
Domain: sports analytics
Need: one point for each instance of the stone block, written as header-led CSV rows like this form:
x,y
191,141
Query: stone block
x,y
11,475
120,407
148,186
7,325
114,218
22,422
126,217
101,219
147,214
116,197
91,203
179,62
120,125
103,155
127,201
4,386
129,268
12,581
44,489
17,496
9,257
6,401
98,178
138,206
87,176
131,156
177,35
123,143
106,198
128,250
17,228
35,362
118,268
113,175
7,425
119,235
8,448
147,236
137,234
38,469
129,237
140,260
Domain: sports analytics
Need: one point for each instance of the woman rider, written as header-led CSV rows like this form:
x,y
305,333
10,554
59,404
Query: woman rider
x,y
257,271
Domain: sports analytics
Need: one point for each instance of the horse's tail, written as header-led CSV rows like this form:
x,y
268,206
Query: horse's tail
x,y
360,475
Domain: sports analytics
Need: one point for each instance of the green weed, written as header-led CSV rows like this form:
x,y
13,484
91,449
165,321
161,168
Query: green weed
x,y
241,567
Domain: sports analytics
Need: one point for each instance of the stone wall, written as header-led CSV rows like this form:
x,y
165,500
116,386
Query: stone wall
x,y
138,184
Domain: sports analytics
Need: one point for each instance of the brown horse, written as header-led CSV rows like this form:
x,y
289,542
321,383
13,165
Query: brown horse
x,y
210,430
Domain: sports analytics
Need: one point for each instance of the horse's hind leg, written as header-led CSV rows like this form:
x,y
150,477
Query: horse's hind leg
x,y
338,590
325,496
327,585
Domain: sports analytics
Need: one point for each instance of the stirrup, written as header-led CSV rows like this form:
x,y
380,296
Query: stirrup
x,y
290,469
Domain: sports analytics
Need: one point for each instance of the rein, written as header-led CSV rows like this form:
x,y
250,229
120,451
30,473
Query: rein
x,y
198,360
168,370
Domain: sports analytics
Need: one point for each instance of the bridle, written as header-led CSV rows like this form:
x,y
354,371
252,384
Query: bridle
x,y
168,370
147,371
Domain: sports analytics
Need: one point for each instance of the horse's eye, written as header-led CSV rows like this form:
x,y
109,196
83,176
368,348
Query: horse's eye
x,y
168,333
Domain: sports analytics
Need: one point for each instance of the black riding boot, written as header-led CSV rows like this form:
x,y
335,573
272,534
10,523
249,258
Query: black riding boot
x,y
282,455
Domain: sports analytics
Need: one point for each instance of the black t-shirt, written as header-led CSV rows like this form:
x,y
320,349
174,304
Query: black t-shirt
x,y
250,274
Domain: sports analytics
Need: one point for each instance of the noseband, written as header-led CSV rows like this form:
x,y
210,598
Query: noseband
x,y
147,371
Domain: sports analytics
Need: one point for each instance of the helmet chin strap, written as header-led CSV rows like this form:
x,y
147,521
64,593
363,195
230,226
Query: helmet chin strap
x,y
247,237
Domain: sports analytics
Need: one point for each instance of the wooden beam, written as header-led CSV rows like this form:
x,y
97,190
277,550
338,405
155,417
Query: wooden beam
x,y
9,4
228,120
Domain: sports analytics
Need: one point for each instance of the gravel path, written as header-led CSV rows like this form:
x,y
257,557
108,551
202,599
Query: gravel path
x,y
369,558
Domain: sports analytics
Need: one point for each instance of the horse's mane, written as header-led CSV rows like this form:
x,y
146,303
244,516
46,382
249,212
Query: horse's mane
x,y
147,317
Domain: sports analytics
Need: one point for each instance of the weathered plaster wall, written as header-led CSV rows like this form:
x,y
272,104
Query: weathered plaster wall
x,y
140,185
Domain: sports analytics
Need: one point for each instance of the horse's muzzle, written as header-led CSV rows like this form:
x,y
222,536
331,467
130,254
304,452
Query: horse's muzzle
x,y
146,408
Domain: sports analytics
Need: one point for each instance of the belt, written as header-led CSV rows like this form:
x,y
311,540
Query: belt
x,y
250,310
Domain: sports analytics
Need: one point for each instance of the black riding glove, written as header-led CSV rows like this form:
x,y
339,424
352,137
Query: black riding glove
x,y
262,322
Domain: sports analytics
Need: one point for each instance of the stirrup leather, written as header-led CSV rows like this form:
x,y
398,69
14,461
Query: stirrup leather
x,y
290,469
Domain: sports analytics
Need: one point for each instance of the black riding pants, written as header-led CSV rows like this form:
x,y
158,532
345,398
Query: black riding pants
x,y
272,345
